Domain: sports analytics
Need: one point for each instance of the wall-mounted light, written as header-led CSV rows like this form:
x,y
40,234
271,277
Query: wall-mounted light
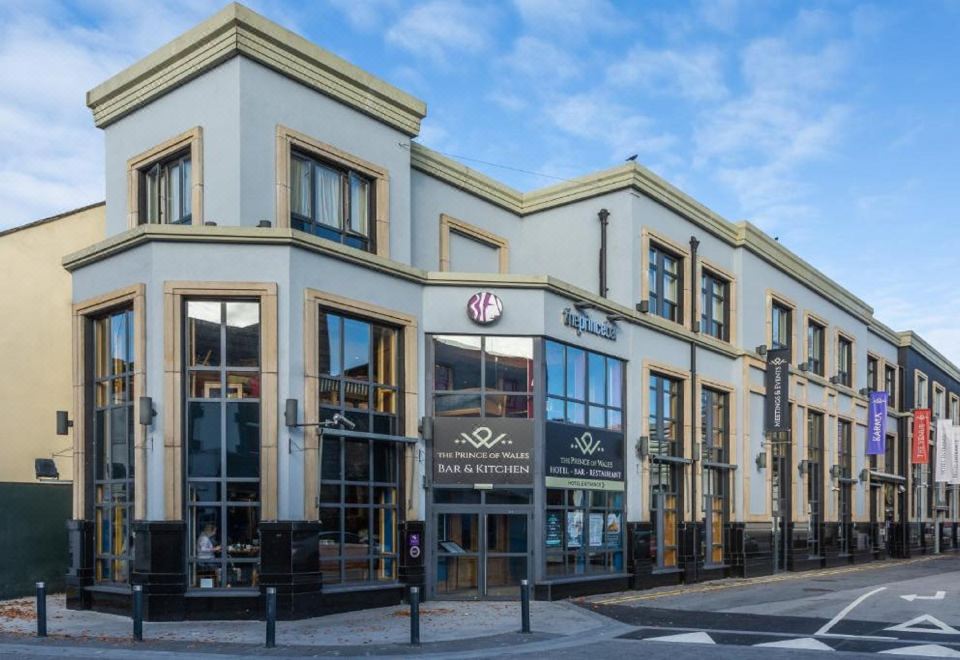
x,y
64,423
583,305
803,467
804,366
643,446
761,460
613,318
834,380
643,306
290,413
761,350
425,428
45,468
210,223
865,391
835,471
147,411
264,224
864,475
901,488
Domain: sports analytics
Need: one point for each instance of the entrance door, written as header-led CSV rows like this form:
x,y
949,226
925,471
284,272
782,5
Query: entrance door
x,y
481,553
781,483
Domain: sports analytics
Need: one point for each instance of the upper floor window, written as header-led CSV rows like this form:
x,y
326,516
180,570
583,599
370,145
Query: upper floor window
x,y
584,387
715,306
666,284
954,408
890,385
330,201
845,361
815,347
921,394
166,192
781,326
844,448
483,376
872,367
939,401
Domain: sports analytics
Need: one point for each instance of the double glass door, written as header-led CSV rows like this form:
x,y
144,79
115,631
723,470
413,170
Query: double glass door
x,y
481,552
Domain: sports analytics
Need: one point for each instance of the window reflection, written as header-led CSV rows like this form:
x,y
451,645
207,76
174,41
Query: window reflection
x,y
583,387
483,376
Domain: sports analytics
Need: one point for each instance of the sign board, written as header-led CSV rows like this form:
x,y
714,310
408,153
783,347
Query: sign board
x,y
920,451
577,457
491,450
877,424
777,407
583,323
484,308
413,541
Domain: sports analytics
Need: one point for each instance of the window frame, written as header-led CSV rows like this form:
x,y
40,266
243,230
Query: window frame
x,y
777,308
873,372
450,225
891,385
816,342
846,347
187,144
608,406
656,255
709,276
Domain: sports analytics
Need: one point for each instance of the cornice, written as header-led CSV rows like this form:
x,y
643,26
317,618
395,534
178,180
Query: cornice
x,y
236,30
910,339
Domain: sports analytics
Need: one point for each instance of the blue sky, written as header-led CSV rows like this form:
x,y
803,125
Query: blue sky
x,y
832,125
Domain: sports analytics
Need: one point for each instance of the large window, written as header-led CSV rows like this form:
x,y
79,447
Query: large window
x,y
483,376
816,357
592,526
666,284
845,361
781,326
845,486
222,343
165,189
583,387
715,430
890,385
873,376
359,369
666,442
113,426
715,306
814,480
330,201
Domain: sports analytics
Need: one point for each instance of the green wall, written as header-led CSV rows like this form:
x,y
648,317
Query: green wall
x,y
33,537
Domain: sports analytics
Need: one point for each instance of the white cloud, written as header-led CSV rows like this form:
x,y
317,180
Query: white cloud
x,y
365,15
693,74
571,19
541,60
440,29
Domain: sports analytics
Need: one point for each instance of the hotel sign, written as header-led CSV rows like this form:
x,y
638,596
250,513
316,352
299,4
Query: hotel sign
x,y
492,450
583,323
777,409
577,457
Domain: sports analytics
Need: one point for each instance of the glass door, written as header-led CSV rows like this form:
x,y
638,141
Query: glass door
x,y
458,555
481,554
505,558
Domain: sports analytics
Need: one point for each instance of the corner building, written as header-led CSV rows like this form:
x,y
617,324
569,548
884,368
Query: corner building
x,y
313,354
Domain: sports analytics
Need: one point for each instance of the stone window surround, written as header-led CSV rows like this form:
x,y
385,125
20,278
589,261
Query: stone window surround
x,y
773,297
192,140
828,363
838,334
921,401
289,139
652,237
704,264
686,425
450,224
733,443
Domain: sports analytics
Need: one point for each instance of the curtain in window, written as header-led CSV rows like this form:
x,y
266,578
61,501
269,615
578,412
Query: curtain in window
x,y
186,181
328,192
300,187
359,203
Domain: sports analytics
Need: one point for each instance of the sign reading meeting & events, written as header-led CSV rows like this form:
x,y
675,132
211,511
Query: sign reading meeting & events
x,y
577,457
491,450
777,408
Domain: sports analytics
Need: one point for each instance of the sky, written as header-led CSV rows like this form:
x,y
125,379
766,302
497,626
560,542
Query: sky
x,y
834,126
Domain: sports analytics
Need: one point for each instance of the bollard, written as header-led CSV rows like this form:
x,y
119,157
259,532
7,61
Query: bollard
x,y
41,609
524,606
271,617
138,612
415,616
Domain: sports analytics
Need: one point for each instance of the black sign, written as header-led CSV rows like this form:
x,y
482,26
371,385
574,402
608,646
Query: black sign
x,y
577,457
482,451
777,415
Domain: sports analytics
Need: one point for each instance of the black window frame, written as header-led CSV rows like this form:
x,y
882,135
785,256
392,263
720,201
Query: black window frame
x,y
611,405
657,280
708,302
890,385
873,373
666,476
781,317
715,434
816,347
845,360
160,170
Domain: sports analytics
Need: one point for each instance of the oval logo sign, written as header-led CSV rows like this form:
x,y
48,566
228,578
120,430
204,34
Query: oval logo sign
x,y
484,308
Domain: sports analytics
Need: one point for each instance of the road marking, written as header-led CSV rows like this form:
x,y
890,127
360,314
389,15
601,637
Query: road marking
x,y
846,610
939,627
937,596
808,643
687,638
928,650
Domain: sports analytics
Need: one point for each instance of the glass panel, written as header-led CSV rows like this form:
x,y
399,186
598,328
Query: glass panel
x,y
504,575
359,204
330,469
575,413
203,333
357,460
356,544
555,366
384,462
243,439
204,492
458,532
353,494
614,382
151,195
509,364
384,355
205,385
614,420
356,349
99,444
186,182
242,574
457,575
173,192
119,447
203,438
596,388
330,343
243,385
243,542
385,400
597,417
505,405
205,528
456,363
243,492
300,187
384,528
243,334
329,204
456,496
576,374
506,532
501,496
555,410
457,405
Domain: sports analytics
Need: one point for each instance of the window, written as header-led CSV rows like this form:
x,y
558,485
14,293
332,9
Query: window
x,y
921,393
939,401
665,425
890,385
583,387
330,201
845,462
815,347
714,306
781,326
598,515
873,366
844,448
166,189
483,376
222,343
113,429
890,455
714,425
666,284
359,367
845,361
814,479
954,409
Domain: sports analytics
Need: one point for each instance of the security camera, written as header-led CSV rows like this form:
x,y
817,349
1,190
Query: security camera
x,y
343,421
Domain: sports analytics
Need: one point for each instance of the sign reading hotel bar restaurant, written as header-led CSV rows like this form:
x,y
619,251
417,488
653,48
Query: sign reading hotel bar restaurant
x,y
877,424
487,450
920,451
777,407
580,458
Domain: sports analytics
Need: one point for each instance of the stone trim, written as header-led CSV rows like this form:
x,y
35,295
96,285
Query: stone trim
x,y
192,140
686,424
174,294
733,444
772,297
650,236
131,296
289,139
733,303
450,224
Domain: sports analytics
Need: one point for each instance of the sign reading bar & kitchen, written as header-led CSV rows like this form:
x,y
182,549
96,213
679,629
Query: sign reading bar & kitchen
x,y
482,451
577,457
777,415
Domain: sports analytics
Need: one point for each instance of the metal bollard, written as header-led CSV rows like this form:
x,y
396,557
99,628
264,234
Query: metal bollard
x,y
41,609
138,612
271,617
524,606
415,616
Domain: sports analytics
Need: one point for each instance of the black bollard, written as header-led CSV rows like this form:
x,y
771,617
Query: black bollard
x,y
41,609
415,616
524,606
271,617
138,612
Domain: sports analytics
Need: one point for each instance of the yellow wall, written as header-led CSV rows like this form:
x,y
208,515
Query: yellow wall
x,y
35,336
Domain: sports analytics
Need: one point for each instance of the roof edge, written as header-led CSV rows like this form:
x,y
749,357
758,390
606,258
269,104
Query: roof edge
x,y
52,218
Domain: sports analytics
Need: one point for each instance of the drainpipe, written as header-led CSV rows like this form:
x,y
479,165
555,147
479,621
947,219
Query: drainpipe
x,y
695,328
604,216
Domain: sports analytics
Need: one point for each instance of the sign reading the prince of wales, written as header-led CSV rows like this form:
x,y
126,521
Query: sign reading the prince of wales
x,y
577,457
482,451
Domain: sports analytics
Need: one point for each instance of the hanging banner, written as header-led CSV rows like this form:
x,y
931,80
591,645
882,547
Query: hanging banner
x,y
954,455
920,454
877,424
777,407
943,470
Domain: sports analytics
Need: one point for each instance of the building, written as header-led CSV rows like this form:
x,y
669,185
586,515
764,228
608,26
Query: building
x,y
35,345
316,355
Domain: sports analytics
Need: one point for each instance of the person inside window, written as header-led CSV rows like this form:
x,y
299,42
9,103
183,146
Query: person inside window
x,y
206,544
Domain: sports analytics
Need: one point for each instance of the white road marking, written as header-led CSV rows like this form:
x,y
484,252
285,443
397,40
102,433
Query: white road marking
x,y
928,650
689,638
940,595
808,643
845,611
939,627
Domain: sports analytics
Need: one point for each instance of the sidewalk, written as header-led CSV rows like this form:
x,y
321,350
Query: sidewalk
x,y
445,626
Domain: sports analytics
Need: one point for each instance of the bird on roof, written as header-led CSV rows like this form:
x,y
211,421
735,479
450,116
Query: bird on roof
x,y
633,157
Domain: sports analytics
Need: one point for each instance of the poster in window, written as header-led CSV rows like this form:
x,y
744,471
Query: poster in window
x,y
613,529
554,530
574,529
596,529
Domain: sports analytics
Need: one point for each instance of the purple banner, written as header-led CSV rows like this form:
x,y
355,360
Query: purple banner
x,y
877,424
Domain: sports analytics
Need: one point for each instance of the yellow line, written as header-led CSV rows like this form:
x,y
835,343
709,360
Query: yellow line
x,y
748,582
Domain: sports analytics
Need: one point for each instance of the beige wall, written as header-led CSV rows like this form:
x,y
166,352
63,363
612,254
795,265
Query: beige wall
x,y
35,336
